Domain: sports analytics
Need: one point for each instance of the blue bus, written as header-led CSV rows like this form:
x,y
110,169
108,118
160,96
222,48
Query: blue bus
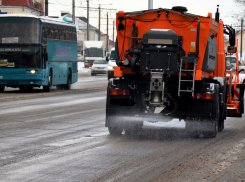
x,y
37,51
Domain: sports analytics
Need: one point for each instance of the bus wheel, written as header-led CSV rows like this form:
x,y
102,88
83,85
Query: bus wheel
x,y
22,88
48,87
2,88
68,84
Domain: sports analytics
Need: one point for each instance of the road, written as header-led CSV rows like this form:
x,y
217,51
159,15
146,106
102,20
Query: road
x,y
60,136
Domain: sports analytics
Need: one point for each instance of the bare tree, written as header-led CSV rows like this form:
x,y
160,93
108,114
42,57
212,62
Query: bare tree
x,y
240,10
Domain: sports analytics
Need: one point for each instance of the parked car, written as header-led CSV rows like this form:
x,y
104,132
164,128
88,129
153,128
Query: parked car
x,y
100,66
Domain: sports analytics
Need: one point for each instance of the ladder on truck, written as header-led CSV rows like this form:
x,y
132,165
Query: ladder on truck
x,y
187,60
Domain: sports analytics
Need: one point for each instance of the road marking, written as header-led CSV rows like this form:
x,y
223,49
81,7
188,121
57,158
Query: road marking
x,y
69,142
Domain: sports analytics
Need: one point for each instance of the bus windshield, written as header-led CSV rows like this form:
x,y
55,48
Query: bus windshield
x,y
93,52
20,57
16,30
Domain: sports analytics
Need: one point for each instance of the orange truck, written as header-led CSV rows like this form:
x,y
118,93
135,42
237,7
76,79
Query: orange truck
x,y
171,64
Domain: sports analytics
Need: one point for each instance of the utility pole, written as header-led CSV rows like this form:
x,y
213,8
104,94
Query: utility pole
x,y
46,7
113,35
99,22
150,4
73,11
88,19
107,41
241,41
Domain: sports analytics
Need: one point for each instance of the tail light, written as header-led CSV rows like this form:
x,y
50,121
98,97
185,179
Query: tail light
x,y
203,96
119,92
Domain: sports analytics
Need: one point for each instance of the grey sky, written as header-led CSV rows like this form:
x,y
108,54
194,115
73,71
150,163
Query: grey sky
x,y
200,7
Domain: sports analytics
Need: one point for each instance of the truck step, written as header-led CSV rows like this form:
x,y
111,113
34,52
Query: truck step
x,y
188,70
186,80
186,91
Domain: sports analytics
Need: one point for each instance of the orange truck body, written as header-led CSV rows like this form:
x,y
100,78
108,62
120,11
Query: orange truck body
x,y
137,40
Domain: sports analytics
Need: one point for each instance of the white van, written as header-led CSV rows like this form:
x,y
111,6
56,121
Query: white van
x,y
111,64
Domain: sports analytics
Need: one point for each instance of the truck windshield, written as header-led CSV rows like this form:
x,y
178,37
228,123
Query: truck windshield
x,y
15,30
20,57
93,53
231,63
112,55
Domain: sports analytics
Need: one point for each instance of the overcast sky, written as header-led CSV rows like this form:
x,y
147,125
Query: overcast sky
x,y
199,7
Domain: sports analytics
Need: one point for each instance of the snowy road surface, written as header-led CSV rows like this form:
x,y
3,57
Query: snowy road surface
x,y
60,136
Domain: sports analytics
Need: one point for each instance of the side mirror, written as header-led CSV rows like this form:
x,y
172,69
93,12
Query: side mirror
x,y
231,49
240,71
107,59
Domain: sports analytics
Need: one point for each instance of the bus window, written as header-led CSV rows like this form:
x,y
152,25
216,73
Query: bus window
x,y
56,33
67,35
44,32
19,30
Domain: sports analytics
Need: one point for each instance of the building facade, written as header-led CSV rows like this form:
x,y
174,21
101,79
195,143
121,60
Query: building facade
x,y
31,7
238,37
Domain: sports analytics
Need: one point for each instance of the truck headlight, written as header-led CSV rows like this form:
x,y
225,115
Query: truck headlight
x,y
110,67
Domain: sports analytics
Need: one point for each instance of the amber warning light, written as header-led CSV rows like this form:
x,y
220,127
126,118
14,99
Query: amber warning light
x,y
121,15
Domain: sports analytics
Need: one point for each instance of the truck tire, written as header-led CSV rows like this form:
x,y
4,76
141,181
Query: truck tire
x,y
115,130
213,133
192,129
221,120
214,122
222,117
131,131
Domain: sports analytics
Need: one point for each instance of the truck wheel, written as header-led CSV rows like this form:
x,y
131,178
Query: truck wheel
x,y
48,87
221,125
192,129
115,130
214,123
221,122
131,131
213,133
2,88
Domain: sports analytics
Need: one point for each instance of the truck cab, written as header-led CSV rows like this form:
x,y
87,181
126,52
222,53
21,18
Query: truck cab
x,y
93,50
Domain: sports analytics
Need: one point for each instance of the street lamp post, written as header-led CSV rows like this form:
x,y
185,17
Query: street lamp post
x,y
87,19
241,41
